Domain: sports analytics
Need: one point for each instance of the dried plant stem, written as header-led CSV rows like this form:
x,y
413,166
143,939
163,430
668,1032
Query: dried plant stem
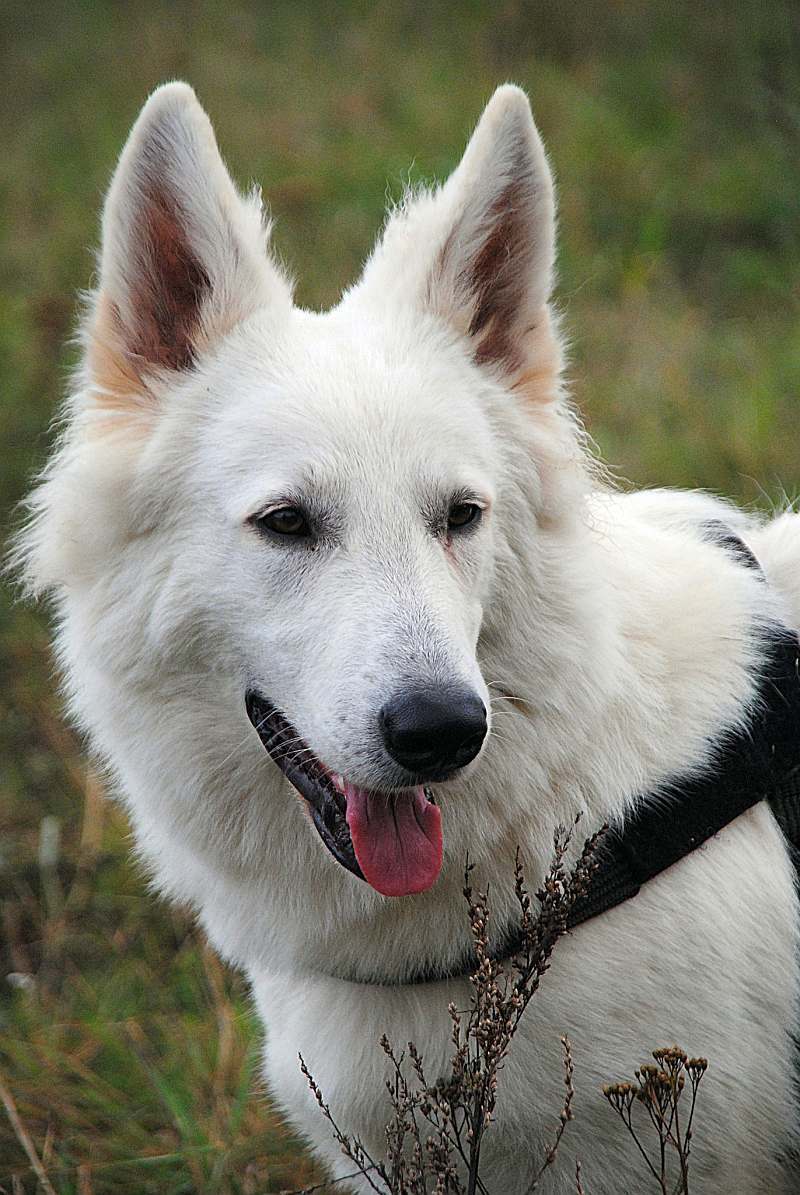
x,y
353,1149
24,1138
437,1128
565,1116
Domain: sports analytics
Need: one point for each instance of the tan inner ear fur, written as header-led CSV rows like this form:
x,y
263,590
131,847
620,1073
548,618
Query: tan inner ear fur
x,y
121,380
537,380
168,289
117,381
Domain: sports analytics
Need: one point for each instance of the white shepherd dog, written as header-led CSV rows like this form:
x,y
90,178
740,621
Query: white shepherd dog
x,y
375,536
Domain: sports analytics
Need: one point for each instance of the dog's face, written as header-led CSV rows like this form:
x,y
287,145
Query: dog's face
x,y
324,489
349,502
361,555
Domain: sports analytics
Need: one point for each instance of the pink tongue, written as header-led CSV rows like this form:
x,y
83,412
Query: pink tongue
x,y
397,839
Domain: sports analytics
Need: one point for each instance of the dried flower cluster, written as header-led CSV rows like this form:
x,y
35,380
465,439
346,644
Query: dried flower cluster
x,y
437,1127
434,1138
658,1089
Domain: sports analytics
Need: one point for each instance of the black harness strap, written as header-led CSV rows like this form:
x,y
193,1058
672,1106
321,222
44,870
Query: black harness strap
x,y
758,761
761,762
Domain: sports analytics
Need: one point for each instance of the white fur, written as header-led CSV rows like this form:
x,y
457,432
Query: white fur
x,y
624,636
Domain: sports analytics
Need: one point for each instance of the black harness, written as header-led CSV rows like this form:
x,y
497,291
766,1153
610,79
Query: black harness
x,y
758,762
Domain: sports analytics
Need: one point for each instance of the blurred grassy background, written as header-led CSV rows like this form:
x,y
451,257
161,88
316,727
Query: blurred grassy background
x,y
127,1051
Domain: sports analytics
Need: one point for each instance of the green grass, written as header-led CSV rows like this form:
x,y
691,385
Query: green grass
x,y
129,1052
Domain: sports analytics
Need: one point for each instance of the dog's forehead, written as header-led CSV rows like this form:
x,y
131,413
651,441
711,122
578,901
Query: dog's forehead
x,y
326,393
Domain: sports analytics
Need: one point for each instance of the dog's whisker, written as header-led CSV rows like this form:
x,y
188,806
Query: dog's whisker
x,y
502,695
234,751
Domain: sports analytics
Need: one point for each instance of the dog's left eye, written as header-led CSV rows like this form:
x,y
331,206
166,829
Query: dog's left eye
x,y
285,520
461,514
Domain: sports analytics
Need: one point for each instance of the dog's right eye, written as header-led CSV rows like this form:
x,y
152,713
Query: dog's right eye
x,y
284,520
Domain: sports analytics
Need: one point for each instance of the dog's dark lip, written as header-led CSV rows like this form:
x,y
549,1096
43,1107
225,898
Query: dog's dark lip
x,y
304,771
326,802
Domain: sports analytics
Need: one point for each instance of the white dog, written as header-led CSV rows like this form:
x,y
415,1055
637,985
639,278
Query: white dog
x,y
358,538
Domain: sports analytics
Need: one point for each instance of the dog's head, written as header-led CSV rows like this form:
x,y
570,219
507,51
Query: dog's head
x,y
308,511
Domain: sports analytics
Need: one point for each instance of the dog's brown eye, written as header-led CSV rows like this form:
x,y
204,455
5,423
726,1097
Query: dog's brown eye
x,y
462,514
286,520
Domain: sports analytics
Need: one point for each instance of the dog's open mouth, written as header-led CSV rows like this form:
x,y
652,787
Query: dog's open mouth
x,y
393,840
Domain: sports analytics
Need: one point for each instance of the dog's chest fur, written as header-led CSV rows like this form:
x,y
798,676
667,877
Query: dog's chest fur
x,y
619,986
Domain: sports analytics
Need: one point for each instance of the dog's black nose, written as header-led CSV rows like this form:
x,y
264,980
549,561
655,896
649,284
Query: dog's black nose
x,y
433,733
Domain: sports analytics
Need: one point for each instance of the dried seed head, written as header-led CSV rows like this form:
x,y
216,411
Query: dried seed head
x,y
620,1095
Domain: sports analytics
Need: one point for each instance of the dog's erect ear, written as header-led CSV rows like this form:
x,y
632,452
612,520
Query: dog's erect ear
x,y
183,255
479,251
492,273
